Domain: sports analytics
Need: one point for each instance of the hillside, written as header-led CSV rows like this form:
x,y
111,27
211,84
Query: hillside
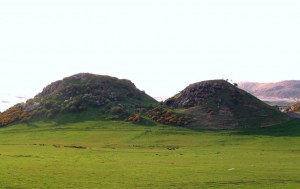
x,y
217,104
105,95
284,90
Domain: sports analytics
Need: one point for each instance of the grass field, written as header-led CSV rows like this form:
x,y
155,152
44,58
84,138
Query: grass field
x,y
105,154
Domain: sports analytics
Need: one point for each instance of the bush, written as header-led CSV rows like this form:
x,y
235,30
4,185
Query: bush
x,y
115,110
134,118
13,114
82,108
168,117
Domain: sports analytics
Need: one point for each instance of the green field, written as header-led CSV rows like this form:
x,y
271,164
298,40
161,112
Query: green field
x,y
106,154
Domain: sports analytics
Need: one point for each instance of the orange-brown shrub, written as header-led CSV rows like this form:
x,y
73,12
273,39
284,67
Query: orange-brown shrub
x,y
168,117
134,118
13,114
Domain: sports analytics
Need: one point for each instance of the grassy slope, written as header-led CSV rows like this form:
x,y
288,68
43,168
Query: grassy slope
x,y
124,155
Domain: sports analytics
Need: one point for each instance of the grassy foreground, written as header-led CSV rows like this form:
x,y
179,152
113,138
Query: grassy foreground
x,y
99,154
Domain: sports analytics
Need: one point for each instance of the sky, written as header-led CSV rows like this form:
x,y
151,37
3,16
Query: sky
x,y
160,45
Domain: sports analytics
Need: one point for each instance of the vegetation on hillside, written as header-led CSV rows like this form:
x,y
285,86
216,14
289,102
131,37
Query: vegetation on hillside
x,y
217,104
167,116
13,114
115,98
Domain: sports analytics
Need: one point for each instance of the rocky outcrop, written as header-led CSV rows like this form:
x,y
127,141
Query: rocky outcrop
x,y
198,93
55,86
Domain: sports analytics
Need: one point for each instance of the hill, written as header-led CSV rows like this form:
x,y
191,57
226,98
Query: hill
x,y
107,96
214,104
284,90
217,104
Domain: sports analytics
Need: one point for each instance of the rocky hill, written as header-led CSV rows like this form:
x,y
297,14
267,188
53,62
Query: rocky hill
x,y
110,96
217,104
284,90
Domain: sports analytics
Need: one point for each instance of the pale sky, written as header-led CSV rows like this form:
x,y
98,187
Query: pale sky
x,y
160,45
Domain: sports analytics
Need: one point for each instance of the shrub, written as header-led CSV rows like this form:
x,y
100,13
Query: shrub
x,y
81,108
168,117
13,114
134,118
115,110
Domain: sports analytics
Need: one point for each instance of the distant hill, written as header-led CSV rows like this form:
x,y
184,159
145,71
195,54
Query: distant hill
x,y
107,96
217,104
284,90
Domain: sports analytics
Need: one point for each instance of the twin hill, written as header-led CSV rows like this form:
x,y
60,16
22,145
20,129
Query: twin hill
x,y
212,104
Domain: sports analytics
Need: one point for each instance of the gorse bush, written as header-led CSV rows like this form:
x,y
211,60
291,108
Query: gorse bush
x,y
134,118
13,114
166,116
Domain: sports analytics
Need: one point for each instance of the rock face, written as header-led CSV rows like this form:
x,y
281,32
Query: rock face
x,y
217,104
79,92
